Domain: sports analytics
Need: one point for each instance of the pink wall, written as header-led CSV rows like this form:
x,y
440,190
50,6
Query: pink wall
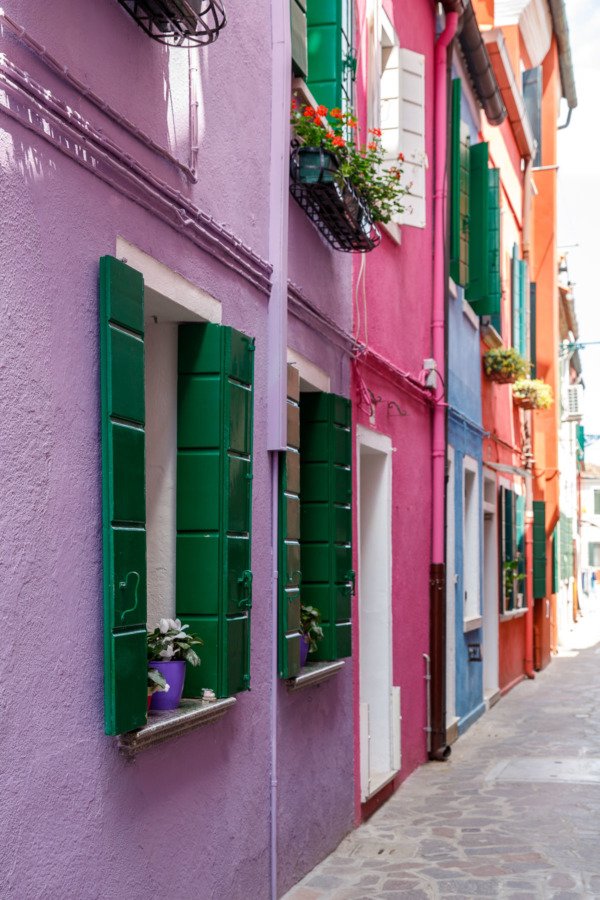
x,y
397,326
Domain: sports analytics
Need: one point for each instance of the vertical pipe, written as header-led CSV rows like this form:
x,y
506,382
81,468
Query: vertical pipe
x,y
281,92
437,743
528,436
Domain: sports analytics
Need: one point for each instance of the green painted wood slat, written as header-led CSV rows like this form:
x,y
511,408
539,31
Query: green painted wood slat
x,y
123,495
539,548
214,489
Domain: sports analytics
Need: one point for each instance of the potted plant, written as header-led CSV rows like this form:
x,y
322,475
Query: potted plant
x,y
169,648
512,577
533,393
504,365
343,185
156,682
312,632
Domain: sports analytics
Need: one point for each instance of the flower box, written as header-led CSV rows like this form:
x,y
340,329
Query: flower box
x,y
334,206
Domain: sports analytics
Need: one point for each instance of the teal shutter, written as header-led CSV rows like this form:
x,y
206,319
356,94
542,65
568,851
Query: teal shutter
x,y
555,553
539,548
520,586
123,495
494,275
507,543
329,27
523,308
533,328
214,489
290,575
326,518
299,38
478,287
459,199
515,295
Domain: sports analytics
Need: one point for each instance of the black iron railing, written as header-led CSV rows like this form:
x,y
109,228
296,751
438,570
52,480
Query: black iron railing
x,y
331,202
178,23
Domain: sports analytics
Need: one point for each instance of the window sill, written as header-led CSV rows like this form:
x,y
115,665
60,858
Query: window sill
x,y
490,336
512,614
472,624
163,725
392,229
314,673
469,313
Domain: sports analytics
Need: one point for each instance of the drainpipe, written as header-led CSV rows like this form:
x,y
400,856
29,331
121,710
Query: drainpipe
x,y
528,442
439,749
281,92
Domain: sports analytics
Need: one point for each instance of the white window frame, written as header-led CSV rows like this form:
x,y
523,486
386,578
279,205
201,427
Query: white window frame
x,y
471,521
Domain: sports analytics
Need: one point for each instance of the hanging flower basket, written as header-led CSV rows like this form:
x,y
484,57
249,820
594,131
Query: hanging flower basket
x,y
504,365
330,201
532,394
178,23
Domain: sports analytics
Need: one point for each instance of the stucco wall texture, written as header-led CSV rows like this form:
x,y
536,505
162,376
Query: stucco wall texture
x,y
77,819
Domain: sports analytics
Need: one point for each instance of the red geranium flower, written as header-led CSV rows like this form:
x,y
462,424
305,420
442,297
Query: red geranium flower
x,y
336,113
401,157
322,110
318,121
329,134
375,131
339,142
372,145
309,111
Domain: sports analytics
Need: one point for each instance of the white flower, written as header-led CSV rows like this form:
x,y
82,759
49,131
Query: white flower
x,y
163,625
167,653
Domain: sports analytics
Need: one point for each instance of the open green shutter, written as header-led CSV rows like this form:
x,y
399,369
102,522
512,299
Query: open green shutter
x,y
515,297
290,575
299,38
326,517
539,548
478,287
494,276
459,201
555,552
533,328
520,586
325,66
523,308
214,489
508,532
123,495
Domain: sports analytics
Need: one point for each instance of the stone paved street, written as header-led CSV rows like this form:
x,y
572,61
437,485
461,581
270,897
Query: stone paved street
x,y
514,813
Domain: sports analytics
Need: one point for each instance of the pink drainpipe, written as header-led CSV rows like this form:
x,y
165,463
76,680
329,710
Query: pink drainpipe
x,y
439,287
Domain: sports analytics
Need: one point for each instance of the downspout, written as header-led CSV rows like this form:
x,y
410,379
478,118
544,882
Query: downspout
x,y
528,441
281,91
439,748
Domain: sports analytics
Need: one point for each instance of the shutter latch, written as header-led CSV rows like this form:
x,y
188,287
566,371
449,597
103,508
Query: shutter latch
x,y
350,588
245,582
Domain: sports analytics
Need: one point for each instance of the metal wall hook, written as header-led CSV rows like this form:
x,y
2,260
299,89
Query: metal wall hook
x,y
401,412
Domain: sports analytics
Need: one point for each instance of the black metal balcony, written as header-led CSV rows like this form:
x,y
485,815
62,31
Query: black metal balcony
x,y
178,23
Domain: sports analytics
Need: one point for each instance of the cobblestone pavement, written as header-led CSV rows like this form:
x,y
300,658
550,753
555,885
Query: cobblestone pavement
x,y
514,813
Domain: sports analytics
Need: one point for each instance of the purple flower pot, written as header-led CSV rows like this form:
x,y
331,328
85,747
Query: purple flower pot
x,y
174,673
304,645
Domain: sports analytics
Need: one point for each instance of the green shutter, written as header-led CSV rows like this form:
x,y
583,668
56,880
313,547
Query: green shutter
x,y
459,200
123,495
479,244
326,517
580,433
214,488
523,308
533,328
539,548
326,50
290,575
555,560
299,38
507,539
520,586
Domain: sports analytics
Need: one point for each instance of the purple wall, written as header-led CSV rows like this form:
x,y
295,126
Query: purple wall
x,y
78,820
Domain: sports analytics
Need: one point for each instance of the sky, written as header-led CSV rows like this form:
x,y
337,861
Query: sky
x,y
579,199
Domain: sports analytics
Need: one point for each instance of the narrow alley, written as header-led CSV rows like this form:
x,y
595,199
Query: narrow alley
x,y
514,813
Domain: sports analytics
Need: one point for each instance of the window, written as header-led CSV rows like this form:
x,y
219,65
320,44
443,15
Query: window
x,y
519,303
471,539
594,555
512,550
597,502
315,524
539,548
213,493
532,95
